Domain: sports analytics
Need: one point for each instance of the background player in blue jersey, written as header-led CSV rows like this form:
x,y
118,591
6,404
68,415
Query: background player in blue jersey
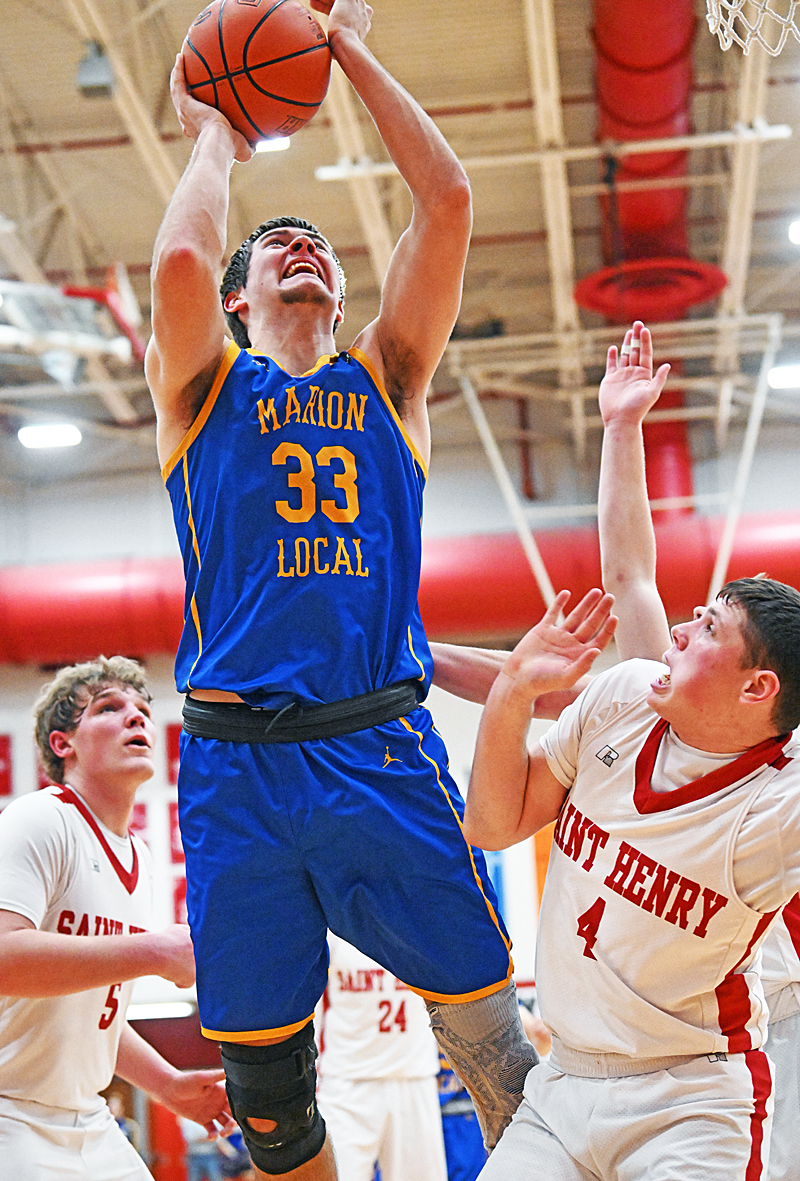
x,y
314,791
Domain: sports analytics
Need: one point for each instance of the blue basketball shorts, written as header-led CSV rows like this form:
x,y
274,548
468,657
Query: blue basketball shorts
x,y
360,834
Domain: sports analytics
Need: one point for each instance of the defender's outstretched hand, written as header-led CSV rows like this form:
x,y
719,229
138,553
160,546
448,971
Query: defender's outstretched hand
x,y
199,1095
193,115
629,388
555,655
512,791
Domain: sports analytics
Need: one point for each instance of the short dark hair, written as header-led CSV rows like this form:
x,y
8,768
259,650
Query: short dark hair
x,y
236,271
771,635
62,701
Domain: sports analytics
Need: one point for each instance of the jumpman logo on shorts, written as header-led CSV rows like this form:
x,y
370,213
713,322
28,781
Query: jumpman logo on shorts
x,y
388,759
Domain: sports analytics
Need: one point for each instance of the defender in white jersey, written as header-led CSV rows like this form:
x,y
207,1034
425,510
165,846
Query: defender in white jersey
x,y
678,839
377,1073
71,875
627,547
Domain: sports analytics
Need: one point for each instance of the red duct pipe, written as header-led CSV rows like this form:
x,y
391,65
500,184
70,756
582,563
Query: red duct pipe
x,y
472,588
643,81
59,614
643,84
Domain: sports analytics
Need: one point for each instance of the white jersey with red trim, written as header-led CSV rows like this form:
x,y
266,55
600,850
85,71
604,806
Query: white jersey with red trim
x,y
780,955
372,1026
64,870
646,947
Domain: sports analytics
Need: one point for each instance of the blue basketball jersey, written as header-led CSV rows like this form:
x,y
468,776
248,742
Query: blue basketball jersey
x,y
297,503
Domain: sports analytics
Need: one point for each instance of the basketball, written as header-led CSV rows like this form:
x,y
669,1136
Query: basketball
x,y
265,65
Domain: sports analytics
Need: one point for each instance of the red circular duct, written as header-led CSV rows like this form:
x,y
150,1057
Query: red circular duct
x,y
60,614
472,588
649,288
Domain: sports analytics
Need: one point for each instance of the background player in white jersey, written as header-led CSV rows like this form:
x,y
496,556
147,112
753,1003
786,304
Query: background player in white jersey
x,y
678,839
377,1073
70,876
628,552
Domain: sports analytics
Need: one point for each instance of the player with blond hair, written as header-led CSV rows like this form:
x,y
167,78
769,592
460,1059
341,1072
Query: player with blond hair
x,y
76,905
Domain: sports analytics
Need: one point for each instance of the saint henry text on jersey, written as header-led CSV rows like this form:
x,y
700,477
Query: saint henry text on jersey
x,y
296,559
640,879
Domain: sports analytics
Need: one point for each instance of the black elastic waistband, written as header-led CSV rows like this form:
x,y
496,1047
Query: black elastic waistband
x,y
237,722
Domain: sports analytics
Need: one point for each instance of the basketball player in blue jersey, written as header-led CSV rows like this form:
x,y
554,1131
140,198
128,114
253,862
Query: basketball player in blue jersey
x,y
314,790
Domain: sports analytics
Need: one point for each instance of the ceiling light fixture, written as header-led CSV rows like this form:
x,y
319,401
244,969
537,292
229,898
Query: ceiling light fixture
x,y
794,233
95,76
278,143
148,1011
49,434
784,377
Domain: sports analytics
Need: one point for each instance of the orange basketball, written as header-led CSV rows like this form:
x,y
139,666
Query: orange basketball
x,y
265,64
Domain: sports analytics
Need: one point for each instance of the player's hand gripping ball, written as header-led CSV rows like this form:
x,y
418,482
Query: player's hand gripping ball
x,y
265,64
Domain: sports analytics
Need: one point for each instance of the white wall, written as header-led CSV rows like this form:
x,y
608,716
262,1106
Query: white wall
x,y
129,515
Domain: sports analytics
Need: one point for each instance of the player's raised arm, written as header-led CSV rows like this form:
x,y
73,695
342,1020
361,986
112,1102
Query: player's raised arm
x,y
469,673
188,324
512,791
422,290
627,539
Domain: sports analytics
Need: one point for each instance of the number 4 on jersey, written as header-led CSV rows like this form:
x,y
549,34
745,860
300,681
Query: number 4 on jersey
x,y
588,922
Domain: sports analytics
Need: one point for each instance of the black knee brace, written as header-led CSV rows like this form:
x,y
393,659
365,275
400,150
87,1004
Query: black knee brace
x,y
276,1082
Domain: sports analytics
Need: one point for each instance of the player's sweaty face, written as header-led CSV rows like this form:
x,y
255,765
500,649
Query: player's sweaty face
x,y
291,258
707,666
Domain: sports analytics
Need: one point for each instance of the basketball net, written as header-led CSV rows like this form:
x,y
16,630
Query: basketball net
x,y
746,21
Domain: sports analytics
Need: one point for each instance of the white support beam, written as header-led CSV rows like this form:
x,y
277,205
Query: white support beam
x,y
540,36
8,143
17,256
508,491
735,261
340,106
546,89
22,262
760,132
745,464
91,24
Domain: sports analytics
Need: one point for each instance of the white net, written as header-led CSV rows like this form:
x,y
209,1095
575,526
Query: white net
x,y
769,22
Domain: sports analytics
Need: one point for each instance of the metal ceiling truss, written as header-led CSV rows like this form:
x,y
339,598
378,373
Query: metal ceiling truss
x,y
90,23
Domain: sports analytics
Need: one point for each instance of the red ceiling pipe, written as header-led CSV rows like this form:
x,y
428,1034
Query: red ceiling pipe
x,y
59,614
643,79
472,588
643,82
477,588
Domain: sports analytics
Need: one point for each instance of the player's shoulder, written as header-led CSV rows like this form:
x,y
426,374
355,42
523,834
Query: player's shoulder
x,y
41,805
788,777
36,819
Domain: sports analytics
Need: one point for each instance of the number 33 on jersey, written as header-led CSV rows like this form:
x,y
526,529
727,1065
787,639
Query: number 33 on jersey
x,y
305,484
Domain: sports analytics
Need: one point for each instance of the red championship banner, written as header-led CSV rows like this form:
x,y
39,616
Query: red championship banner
x,y
175,843
138,822
6,776
173,733
179,896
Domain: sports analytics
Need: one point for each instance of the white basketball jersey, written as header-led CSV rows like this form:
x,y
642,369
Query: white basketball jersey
x,y
780,955
66,872
372,1025
644,947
